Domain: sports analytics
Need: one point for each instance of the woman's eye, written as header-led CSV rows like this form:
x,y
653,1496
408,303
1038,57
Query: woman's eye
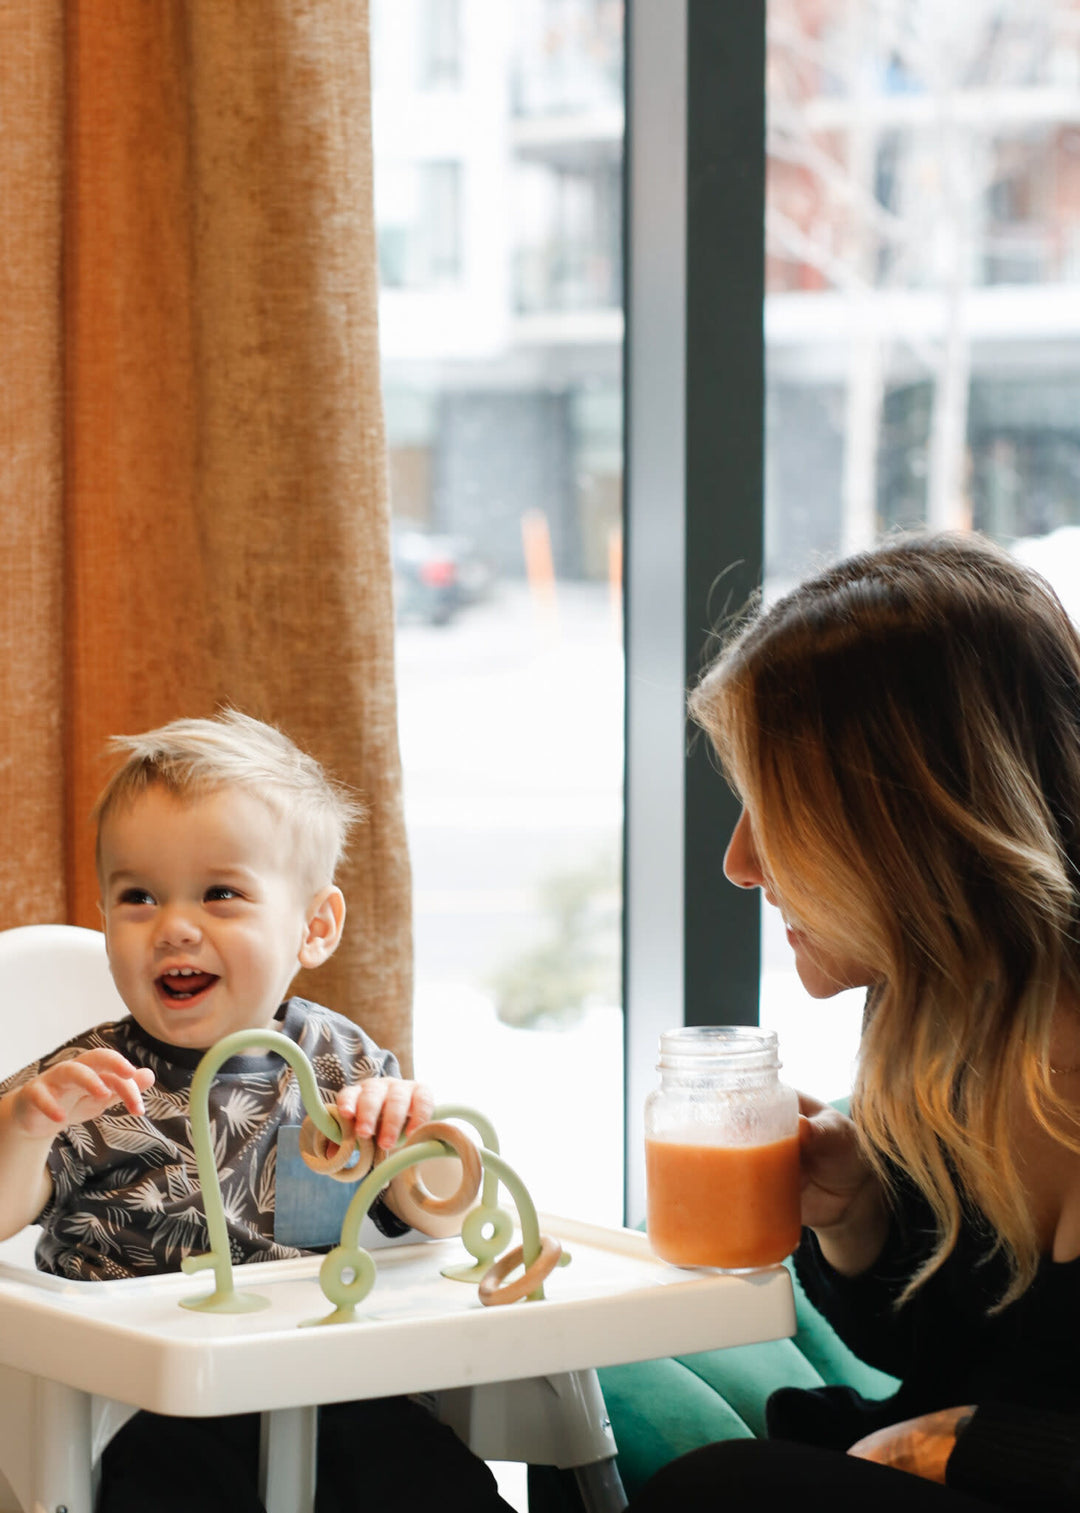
x,y
220,893
136,896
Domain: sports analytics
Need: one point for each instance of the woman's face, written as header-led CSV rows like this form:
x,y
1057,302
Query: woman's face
x,y
822,972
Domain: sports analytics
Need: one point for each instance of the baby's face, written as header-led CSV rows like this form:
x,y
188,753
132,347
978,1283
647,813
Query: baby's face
x,y
204,922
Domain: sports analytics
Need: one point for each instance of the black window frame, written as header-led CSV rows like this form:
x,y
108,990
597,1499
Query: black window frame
x,y
694,397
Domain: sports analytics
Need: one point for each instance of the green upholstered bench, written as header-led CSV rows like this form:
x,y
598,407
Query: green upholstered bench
x,y
661,1409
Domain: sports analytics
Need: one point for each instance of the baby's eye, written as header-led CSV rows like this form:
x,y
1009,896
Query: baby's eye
x,y
220,893
136,896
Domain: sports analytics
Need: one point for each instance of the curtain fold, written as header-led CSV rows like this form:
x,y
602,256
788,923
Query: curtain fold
x,y
32,812
217,526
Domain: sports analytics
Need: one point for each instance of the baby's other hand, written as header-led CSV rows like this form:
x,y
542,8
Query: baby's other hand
x,y
77,1090
384,1108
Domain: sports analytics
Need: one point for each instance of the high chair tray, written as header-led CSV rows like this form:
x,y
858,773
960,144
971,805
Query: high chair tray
x,y
415,1331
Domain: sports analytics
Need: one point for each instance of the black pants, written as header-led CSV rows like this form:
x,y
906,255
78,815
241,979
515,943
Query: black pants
x,y
386,1453
756,1474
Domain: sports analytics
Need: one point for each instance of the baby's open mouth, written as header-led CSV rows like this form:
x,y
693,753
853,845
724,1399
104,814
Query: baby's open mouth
x,y
183,984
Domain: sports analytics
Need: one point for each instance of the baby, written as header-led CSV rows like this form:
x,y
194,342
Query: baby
x,y
217,845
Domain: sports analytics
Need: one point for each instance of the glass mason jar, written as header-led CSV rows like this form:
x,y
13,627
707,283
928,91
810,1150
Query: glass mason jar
x,y
722,1151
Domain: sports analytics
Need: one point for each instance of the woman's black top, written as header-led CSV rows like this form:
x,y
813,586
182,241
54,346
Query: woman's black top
x,y
1020,1366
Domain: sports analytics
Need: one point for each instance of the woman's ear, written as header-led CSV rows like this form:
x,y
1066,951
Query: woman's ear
x,y
325,921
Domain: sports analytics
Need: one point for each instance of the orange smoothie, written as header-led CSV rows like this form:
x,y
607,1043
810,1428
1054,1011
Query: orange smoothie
x,y
722,1205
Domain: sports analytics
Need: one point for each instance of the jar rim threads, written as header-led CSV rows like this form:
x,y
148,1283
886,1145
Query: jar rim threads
x,y
737,1047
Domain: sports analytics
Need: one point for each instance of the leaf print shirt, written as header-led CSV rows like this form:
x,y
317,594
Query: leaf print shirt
x,y
126,1199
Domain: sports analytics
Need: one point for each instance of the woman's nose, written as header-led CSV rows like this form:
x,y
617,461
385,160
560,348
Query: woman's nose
x,y
741,865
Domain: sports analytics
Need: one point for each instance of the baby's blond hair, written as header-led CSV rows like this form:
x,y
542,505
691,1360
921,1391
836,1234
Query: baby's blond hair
x,y
190,758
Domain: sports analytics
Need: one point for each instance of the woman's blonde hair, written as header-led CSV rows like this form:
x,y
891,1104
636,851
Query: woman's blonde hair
x,y
904,730
194,757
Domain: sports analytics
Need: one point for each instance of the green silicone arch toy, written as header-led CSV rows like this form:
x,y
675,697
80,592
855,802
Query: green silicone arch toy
x,y
348,1272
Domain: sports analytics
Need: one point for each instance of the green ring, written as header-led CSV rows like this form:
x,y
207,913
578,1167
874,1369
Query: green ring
x,y
344,1258
479,1245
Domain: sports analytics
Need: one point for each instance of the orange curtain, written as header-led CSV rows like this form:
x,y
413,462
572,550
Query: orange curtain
x,y
193,489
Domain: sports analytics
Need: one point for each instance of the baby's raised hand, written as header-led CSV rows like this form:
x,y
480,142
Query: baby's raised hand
x,y
76,1090
384,1108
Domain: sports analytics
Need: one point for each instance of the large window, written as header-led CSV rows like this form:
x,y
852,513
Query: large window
x,y
922,314
498,150
919,272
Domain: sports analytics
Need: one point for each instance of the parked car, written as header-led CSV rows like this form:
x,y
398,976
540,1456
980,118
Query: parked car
x,y
435,576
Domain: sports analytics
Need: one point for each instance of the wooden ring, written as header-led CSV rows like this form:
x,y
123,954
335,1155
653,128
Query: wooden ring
x,y
396,1195
316,1152
492,1293
412,1187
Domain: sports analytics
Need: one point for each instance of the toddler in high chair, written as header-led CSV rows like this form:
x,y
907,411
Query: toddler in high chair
x,y
217,845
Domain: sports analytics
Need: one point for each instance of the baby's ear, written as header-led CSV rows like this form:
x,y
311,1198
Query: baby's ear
x,y
325,921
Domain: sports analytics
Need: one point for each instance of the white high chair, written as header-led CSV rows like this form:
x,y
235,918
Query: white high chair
x,y
54,983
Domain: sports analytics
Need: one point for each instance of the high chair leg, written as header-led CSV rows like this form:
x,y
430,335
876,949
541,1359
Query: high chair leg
x,y
61,1450
287,1450
557,1420
601,1487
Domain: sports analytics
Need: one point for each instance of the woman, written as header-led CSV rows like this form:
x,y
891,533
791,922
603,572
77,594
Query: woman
x,y
904,733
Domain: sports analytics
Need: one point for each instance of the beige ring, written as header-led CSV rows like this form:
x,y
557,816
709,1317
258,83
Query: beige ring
x,y
412,1188
315,1152
396,1195
491,1293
